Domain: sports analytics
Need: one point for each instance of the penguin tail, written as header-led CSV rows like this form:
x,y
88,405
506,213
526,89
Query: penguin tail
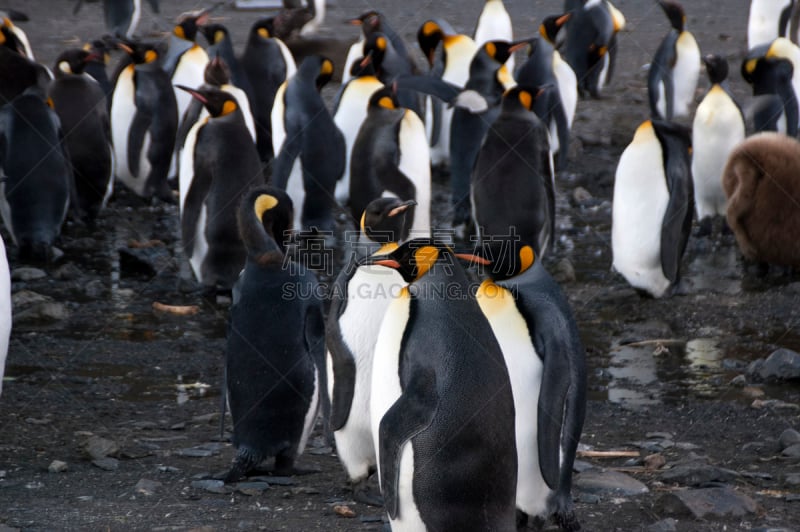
x,y
246,460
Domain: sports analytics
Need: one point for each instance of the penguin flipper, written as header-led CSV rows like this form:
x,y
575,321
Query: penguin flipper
x,y
136,133
661,73
315,344
190,117
193,203
284,160
447,92
344,363
549,186
436,125
677,222
411,414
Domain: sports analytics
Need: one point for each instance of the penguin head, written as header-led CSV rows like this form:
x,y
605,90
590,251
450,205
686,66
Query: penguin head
x,y
139,52
551,25
675,14
72,62
362,67
214,33
429,36
370,22
263,29
500,51
717,68
384,98
217,72
506,257
9,40
189,24
415,258
375,47
100,49
384,220
265,220
218,102
520,98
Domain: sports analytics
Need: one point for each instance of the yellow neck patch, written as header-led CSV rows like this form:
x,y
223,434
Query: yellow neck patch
x,y
2,38
430,27
526,258
380,42
363,223
326,68
218,36
490,48
526,99
263,32
150,56
50,103
504,77
228,107
425,258
543,32
178,32
64,67
750,65
264,202
387,248
386,103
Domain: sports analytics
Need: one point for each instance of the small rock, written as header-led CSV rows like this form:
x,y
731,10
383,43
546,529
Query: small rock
x,y
782,364
581,195
252,486
366,519
659,436
665,525
275,481
57,466
145,425
739,381
654,461
793,479
788,438
94,289
320,451
106,464
46,311
686,446
579,466
564,271
344,511
773,403
697,474
167,469
67,272
609,482
206,418
23,298
35,421
212,486
147,487
97,447
793,451
752,392
26,273
707,502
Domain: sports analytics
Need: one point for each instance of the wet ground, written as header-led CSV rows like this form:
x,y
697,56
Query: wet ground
x,y
92,359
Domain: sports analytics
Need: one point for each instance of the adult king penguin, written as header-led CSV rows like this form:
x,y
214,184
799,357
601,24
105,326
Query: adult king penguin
x,y
494,24
220,44
512,183
185,60
675,68
533,323
390,157
144,122
567,81
717,128
652,207
441,402
81,107
275,357
361,295
5,310
219,163
374,22
35,194
590,44
309,148
763,69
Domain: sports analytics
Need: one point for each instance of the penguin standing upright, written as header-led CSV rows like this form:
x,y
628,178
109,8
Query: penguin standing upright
x,y
122,16
770,80
652,207
185,60
350,112
390,157
390,66
374,22
18,72
275,357
534,325
361,295
309,148
673,74
512,183
219,163
5,311
34,197
81,107
267,63
590,44
494,24
567,81
767,20
441,402
717,128
221,44
144,122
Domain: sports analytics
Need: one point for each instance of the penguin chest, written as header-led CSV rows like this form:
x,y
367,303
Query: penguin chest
x,y
189,72
415,163
185,181
5,310
123,112
640,202
762,24
685,72
525,372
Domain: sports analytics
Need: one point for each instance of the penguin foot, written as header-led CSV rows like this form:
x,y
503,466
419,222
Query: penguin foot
x,y
364,494
704,227
522,519
567,521
246,460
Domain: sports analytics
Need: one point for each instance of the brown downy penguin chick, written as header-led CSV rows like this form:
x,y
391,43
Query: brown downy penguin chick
x,y
763,192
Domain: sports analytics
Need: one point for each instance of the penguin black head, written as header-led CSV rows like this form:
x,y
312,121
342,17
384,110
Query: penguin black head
x,y
518,97
214,33
9,40
139,52
717,68
430,34
101,49
675,14
369,21
551,25
265,219
217,72
72,61
375,48
263,28
189,24
384,98
218,102
415,258
384,220
325,72
506,258
363,66
500,51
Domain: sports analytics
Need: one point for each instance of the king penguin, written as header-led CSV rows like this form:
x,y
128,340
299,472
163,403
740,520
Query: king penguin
x,y
512,183
17,71
361,295
494,24
374,22
6,312
767,20
441,402
717,128
350,112
590,44
220,44
185,60
780,48
81,107
19,38
34,197
776,104
390,157
652,207
673,74
309,148
144,122
534,325
275,357
567,81
219,163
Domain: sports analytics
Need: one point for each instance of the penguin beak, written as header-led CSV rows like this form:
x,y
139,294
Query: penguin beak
x,y
473,259
389,263
401,208
367,60
519,45
194,93
93,56
353,21
125,48
560,21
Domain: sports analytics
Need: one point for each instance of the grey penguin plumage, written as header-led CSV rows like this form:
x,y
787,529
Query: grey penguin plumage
x,y
535,327
436,365
81,106
219,163
590,44
144,122
276,373
513,188
390,156
652,207
100,51
35,195
360,297
309,147
672,79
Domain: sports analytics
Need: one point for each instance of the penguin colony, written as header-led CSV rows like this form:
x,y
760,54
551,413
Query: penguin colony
x,y
397,370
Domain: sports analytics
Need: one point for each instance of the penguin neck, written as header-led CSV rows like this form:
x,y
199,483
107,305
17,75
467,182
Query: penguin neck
x,y
261,246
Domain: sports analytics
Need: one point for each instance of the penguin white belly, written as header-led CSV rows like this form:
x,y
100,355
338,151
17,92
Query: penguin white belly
x,y
639,204
189,72
294,185
370,292
200,247
244,105
110,186
567,86
717,128
123,110
603,80
661,103
685,73
494,23
288,59
555,145
525,370
762,24
356,51
311,414
349,116
415,162
5,310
